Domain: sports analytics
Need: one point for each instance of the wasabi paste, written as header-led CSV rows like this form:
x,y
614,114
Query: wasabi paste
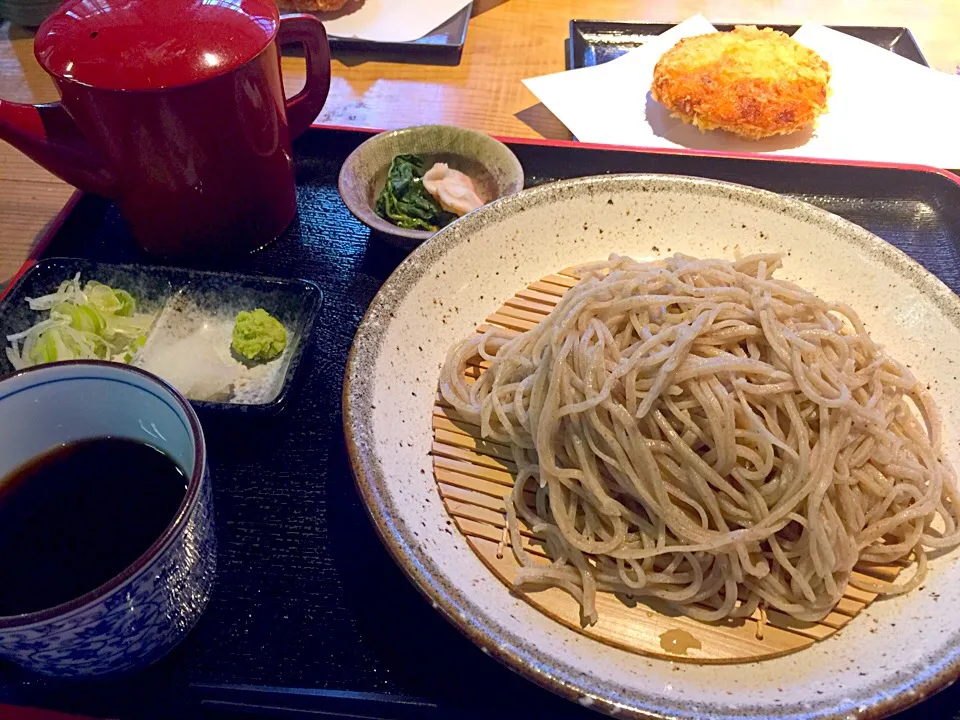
x,y
258,336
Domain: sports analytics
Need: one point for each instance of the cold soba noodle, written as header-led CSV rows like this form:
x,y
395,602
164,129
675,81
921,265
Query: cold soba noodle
x,y
697,431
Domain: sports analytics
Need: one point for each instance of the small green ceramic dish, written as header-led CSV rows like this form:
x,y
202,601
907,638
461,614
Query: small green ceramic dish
x,y
491,165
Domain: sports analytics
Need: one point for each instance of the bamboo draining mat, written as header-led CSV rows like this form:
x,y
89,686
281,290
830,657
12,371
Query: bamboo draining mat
x,y
473,476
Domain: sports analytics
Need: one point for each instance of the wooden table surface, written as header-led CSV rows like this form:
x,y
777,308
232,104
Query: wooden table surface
x,y
508,40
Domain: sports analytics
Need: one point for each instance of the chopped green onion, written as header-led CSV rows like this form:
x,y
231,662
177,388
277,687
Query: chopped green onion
x,y
85,322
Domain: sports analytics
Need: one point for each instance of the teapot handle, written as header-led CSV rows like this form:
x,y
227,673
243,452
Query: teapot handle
x,y
306,30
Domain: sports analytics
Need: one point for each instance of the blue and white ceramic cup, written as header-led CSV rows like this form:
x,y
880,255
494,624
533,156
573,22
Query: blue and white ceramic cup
x,y
142,613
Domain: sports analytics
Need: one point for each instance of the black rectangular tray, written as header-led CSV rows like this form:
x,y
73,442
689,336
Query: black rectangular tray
x,y
294,302
443,45
310,615
594,42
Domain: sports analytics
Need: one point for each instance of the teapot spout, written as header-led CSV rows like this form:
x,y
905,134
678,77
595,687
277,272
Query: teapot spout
x,y
48,135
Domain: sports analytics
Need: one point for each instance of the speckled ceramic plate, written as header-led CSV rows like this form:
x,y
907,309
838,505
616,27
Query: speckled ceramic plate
x,y
446,288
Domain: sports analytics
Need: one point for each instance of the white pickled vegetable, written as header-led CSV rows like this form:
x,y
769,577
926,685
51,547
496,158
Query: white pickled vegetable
x,y
452,189
198,365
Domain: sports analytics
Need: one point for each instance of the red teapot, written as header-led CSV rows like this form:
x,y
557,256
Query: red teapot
x,y
175,110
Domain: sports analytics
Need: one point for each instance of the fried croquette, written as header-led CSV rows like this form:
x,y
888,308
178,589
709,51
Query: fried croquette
x,y
755,83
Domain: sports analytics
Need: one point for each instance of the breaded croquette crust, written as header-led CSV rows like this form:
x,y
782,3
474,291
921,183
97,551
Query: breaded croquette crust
x,y
755,83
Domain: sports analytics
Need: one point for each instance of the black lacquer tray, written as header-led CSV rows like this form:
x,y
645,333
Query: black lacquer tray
x,y
594,42
310,616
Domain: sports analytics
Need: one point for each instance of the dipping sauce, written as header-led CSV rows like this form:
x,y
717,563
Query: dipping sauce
x,y
76,516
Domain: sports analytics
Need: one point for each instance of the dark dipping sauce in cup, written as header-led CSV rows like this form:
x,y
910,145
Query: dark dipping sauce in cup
x,y
75,517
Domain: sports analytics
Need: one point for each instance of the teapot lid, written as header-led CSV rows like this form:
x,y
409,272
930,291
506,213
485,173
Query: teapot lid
x,y
153,44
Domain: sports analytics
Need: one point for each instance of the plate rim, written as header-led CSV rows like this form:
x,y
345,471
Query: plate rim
x,y
485,632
